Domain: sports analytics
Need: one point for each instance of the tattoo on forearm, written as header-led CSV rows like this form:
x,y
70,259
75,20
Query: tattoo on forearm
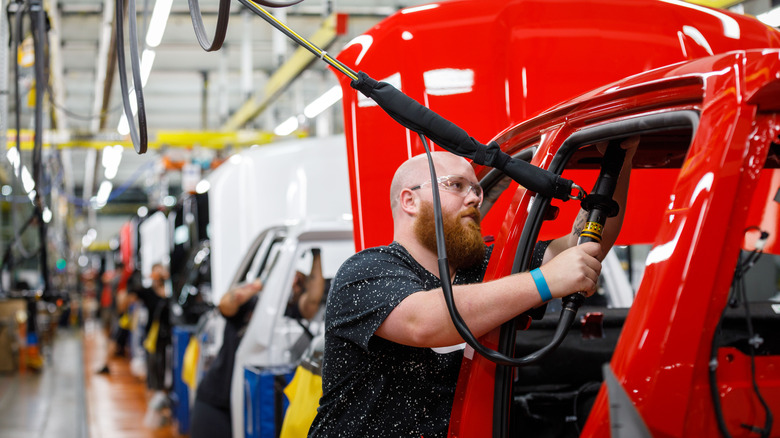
x,y
579,224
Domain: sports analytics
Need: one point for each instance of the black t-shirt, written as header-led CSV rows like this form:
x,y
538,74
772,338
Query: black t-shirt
x,y
373,387
214,388
151,300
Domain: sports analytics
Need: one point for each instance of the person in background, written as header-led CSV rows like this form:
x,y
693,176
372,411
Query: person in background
x,y
392,353
307,291
154,299
211,410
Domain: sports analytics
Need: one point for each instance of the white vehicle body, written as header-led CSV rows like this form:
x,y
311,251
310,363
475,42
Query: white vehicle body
x,y
271,205
155,244
279,183
272,339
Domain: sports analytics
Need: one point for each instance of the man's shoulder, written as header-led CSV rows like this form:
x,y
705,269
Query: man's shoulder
x,y
376,261
393,251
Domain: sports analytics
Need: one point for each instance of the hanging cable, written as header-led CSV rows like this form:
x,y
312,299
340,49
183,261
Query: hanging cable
x,y
138,135
76,115
200,30
40,43
601,206
738,293
303,42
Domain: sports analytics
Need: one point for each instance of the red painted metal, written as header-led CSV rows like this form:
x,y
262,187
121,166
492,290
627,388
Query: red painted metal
x,y
527,56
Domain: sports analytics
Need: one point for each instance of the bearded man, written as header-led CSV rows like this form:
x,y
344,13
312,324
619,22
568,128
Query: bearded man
x,y
392,354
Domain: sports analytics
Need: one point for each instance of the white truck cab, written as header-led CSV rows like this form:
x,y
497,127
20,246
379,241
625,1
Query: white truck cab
x,y
273,340
268,207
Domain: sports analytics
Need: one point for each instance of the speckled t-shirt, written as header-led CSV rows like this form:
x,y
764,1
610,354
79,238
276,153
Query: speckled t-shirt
x,y
373,387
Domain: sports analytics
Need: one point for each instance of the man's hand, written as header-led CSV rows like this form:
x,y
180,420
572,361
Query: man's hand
x,y
574,270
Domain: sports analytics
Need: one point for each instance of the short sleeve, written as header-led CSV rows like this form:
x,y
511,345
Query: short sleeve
x,y
365,290
538,255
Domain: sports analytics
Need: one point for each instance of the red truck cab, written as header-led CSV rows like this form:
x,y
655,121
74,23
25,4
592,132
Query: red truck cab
x,y
701,88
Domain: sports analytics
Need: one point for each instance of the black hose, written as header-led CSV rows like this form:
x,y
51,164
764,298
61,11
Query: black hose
x,y
223,16
613,163
137,135
38,19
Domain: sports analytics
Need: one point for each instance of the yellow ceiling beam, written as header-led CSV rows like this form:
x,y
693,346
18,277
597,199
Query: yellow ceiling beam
x,y
284,76
719,4
157,140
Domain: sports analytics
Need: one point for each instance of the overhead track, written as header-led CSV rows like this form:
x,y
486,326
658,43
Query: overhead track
x,y
160,139
333,26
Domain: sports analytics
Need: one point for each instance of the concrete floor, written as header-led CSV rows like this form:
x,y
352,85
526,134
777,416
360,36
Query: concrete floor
x,y
50,403
69,399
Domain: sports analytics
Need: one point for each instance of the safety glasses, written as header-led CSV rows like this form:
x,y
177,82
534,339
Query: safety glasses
x,y
456,184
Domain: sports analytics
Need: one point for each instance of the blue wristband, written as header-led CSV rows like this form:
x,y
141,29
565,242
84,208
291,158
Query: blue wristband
x,y
541,285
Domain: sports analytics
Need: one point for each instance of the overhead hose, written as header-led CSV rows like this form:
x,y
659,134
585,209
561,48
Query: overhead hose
x,y
604,188
303,42
40,40
37,17
16,40
138,135
200,30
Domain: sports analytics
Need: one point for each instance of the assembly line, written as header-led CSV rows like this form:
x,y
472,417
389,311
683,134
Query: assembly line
x,y
530,218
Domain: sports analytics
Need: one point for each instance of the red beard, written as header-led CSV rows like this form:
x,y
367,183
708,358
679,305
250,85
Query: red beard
x,y
465,246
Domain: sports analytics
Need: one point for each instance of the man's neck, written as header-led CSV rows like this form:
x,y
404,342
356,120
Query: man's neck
x,y
424,256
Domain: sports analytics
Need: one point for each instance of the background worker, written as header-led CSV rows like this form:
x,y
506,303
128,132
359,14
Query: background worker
x,y
211,415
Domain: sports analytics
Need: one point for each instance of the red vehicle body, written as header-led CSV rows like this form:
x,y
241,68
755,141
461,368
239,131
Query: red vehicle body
x,y
701,88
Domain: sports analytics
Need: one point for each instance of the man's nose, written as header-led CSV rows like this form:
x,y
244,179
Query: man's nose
x,y
473,199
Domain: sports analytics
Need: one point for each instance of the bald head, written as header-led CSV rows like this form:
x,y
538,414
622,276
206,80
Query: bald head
x,y
415,171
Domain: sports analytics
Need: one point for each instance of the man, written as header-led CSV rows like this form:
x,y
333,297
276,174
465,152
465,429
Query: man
x,y
389,369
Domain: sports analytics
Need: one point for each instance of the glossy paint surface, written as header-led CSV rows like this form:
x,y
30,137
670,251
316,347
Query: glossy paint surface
x,y
520,59
487,66
663,353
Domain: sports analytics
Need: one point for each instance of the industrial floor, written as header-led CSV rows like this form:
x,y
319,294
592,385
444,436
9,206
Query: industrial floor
x,y
67,398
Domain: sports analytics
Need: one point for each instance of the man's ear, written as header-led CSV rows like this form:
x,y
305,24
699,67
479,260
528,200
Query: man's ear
x,y
408,202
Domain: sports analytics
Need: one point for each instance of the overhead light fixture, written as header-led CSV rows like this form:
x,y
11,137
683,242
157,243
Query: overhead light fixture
x,y
46,215
27,180
112,156
124,127
87,240
162,8
13,158
147,61
323,102
287,127
103,193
